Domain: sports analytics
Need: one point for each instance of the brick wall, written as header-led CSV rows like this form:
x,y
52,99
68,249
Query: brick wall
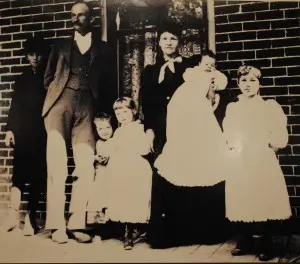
x,y
18,19
267,34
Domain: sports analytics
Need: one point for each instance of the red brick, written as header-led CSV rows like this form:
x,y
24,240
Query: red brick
x,y
32,27
267,34
10,62
222,56
272,91
5,38
255,7
5,22
274,72
236,55
295,140
241,17
10,29
32,10
293,13
64,33
270,53
229,46
296,150
53,8
21,20
283,5
285,61
8,78
256,25
229,27
258,44
43,18
287,170
4,4
285,42
293,32
286,23
292,180
285,151
11,45
242,36
10,12
294,90
220,38
62,16
269,15
295,201
292,51
291,191
294,70
227,9
226,65
287,81
294,119
221,19
54,25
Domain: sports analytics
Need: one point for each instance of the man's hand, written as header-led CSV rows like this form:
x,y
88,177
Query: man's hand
x,y
9,138
150,136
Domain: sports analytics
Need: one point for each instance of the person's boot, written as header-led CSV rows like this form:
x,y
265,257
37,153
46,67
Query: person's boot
x,y
264,248
244,246
11,221
128,240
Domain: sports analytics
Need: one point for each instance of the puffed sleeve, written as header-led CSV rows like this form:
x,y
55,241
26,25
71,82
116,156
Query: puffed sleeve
x,y
228,121
277,124
141,141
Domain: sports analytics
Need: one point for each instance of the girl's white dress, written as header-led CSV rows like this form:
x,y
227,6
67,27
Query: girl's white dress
x,y
255,187
98,195
129,175
194,152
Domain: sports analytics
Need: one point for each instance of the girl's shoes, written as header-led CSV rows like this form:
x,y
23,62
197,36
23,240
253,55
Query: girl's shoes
x,y
11,221
128,238
60,236
237,251
128,244
28,229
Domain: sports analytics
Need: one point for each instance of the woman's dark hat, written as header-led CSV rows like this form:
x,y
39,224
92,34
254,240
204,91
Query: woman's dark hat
x,y
34,44
171,27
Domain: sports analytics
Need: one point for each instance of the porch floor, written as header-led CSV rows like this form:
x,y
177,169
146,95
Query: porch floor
x,y
14,247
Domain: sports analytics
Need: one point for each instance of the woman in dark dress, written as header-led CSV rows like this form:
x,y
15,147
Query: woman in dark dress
x,y
26,133
172,206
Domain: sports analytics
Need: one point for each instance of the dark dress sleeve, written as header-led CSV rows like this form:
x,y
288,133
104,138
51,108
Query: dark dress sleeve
x,y
14,110
148,96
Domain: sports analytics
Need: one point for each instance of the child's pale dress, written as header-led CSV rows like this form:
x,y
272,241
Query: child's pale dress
x,y
129,175
255,187
98,194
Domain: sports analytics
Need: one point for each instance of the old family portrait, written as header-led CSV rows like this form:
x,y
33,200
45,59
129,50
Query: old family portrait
x,y
169,123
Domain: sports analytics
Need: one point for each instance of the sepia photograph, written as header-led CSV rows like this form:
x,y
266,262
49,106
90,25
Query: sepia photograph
x,y
149,131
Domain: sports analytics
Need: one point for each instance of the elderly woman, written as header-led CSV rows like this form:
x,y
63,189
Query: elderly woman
x,y
177,211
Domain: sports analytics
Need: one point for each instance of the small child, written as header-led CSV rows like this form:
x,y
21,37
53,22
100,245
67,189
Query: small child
x,y
217,80
208,64
129,173
98,199
256,193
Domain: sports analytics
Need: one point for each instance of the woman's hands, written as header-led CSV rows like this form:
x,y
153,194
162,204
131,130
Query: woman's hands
x,y
102,160
9,138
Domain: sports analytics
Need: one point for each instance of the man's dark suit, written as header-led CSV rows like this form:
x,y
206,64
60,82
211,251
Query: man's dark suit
x,y
69,111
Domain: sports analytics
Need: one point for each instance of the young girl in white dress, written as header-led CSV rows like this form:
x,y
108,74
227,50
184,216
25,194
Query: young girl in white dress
x,y
97,204
256,191
129,173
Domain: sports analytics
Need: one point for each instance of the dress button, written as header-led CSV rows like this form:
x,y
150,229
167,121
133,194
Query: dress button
x,y
168,97
163,215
